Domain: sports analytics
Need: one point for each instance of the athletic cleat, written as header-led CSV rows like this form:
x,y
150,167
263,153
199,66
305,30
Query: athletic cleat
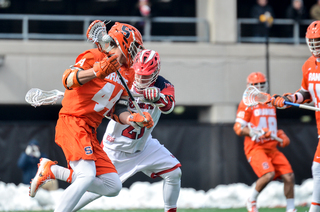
x,y
43,175
252,206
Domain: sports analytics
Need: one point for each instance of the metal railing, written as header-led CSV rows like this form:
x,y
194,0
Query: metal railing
x,y
295,39
86,20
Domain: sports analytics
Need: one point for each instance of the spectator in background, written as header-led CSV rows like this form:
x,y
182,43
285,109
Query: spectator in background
x,y
28,161
315,11
265,14
144,8
296,11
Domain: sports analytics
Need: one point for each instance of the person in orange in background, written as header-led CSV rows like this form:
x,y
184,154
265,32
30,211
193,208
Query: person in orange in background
x,y
259,126
309,92
93,91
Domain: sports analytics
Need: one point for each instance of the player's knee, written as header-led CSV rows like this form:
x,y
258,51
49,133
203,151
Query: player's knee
x,y
112,183
115,189
269,176
288,178
173,176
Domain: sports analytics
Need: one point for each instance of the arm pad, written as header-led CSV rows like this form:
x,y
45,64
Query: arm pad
x,y
70,78
120,107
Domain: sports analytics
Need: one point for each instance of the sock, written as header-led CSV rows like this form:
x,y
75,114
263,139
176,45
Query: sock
x,y
290,204
254,195
62,173
314,207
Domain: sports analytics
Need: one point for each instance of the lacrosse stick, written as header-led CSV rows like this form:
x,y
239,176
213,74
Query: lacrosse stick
x,y
97,33
252,96
37,97
258,133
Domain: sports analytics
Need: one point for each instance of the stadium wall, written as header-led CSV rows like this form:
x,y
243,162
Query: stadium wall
x,y
204,74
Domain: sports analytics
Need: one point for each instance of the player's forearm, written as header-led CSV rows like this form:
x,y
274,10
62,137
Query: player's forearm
x,y
123,118
85,76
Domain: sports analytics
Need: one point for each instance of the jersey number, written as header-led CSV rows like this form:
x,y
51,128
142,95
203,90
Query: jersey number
x,y
314,89
270,123
103,100
130,133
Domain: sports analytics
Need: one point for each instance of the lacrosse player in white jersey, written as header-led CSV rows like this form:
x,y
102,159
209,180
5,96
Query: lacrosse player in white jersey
x,y
131,148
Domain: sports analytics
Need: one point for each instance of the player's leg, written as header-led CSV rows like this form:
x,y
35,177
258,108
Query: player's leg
x,y
288,181
161,163
315,201
171,189
104,185
262,166
107,183
85,171
283,169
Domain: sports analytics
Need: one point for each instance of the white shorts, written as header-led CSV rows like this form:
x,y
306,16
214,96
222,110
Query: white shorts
x,y
154,160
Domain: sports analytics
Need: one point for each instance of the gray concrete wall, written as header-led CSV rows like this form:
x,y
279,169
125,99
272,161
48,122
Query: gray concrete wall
x,y
203,74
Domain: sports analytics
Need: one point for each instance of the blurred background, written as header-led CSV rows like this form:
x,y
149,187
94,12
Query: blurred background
x,y
207,50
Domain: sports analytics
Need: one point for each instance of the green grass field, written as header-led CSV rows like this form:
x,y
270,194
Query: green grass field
x,y
300,209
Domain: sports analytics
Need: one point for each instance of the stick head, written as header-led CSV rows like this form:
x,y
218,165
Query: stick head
x,y
252,96
97,33
37,97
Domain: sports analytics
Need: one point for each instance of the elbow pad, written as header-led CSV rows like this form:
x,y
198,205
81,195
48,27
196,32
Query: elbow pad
x,y
238,128
70,78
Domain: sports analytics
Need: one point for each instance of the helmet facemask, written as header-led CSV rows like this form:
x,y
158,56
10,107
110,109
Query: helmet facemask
x,y
142,82
261,86
314,46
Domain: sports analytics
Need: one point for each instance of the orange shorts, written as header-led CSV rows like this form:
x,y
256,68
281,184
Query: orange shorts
x,y
79,141
317,154
263,162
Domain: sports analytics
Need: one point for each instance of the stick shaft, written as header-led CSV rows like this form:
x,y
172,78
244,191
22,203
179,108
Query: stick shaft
x,y
129,93
302,106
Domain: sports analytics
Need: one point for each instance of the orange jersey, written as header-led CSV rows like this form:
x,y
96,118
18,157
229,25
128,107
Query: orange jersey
x,y
93,100
260,116
311,83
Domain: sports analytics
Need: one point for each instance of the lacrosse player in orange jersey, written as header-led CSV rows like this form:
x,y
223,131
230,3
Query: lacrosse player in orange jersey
x,y
132,149
259,126
93,90
309,91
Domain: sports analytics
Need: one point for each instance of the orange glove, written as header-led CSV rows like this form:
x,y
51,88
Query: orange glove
x,y
266,134
106,66
285,140
136,118
278,100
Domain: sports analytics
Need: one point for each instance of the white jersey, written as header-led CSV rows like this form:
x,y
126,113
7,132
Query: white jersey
x,y
125,137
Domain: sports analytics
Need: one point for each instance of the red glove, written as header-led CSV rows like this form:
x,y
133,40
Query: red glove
x,y
146,121
106,66
151,94
285,140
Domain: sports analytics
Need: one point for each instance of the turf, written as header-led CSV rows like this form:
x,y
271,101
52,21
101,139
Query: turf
x,y
300,209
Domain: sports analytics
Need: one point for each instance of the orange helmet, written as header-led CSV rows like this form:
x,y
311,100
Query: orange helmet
x,y
128,39
313,38
258,80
